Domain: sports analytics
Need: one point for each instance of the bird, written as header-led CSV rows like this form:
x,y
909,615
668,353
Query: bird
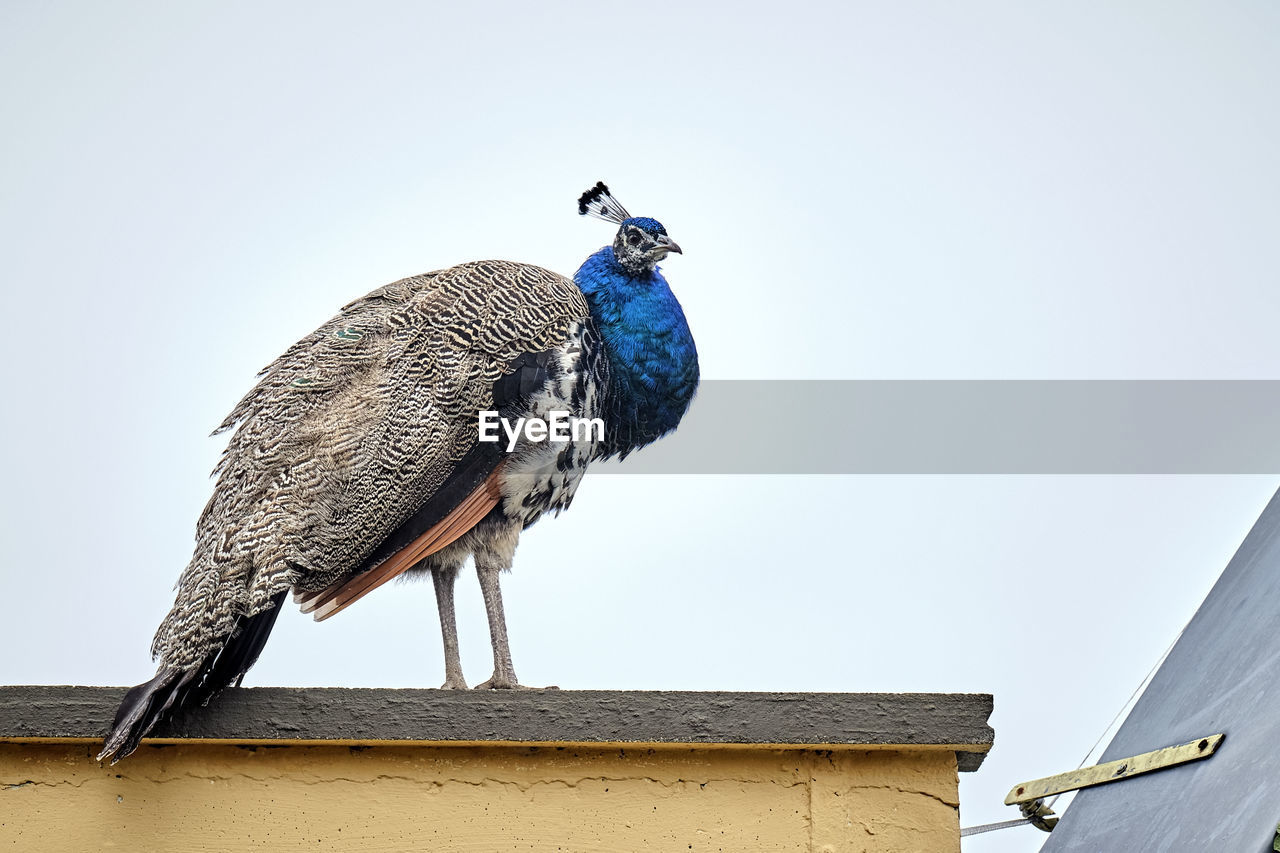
x,y
357,457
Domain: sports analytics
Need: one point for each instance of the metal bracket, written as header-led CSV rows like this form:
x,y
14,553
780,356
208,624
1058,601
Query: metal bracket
x,y
1037,814
1114,771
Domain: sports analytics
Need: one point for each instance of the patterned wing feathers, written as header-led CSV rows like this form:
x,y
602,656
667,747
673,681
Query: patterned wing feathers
x,y
452,527
351,432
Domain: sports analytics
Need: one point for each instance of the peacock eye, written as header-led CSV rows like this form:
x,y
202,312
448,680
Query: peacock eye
x,y
634,238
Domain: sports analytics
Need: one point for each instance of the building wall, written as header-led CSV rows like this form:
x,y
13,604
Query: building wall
x,y
217,796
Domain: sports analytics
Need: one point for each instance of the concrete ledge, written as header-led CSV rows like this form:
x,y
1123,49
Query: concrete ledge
x,y
951,722
300,770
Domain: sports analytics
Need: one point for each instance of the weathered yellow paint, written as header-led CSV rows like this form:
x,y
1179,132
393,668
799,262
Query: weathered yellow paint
x,y
54,797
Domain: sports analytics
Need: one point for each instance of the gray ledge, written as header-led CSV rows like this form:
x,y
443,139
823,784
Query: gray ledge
x,y
533,717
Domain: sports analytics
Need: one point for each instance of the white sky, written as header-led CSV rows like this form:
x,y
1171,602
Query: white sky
x,y
897,190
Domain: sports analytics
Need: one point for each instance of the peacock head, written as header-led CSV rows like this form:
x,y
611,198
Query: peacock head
x,y
641,242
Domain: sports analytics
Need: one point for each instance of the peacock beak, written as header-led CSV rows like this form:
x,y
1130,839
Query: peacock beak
x,y
670,245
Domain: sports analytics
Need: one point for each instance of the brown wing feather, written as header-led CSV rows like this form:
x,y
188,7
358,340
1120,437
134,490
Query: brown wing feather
x,y
466,515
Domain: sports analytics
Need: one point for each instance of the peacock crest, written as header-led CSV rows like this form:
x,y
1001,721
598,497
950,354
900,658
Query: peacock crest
x,y
598,202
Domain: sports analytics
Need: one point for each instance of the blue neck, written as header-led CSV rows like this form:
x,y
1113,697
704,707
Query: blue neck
x,y
653,363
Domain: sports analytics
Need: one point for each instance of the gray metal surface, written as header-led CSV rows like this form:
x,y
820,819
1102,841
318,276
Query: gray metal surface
x,y
532,716
1222,676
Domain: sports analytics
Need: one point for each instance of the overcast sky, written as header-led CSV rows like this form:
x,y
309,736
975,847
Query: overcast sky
x,y
897,190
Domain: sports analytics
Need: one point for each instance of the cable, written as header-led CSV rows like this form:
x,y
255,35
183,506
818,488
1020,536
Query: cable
x,y
1133,697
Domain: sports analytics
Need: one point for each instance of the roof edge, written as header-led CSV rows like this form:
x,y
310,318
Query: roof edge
x,y
638,718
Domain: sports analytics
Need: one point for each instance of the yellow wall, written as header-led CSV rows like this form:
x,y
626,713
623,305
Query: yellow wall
x,y
54,797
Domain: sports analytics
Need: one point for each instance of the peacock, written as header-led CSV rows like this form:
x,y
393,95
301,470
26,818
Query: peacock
x,y
359,455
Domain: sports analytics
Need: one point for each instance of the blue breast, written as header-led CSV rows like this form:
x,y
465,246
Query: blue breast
x,y
653,363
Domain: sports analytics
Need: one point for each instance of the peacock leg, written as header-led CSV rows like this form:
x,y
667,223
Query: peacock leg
x,y
504,674
444,577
